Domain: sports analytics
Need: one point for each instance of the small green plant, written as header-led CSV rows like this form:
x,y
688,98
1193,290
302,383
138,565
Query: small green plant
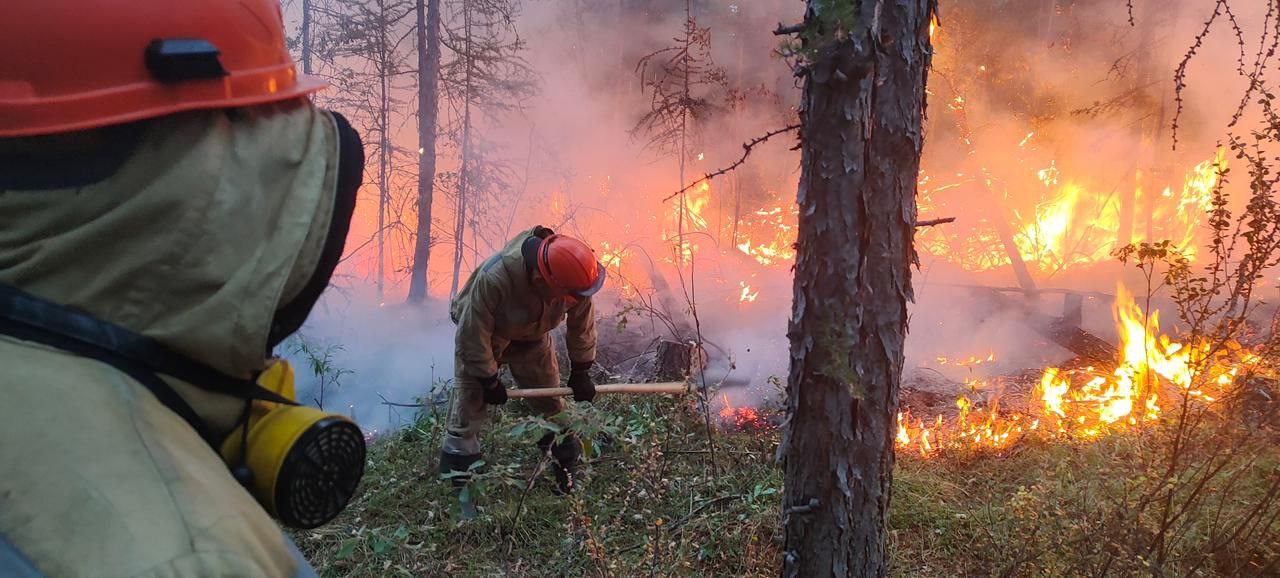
x,y
319,358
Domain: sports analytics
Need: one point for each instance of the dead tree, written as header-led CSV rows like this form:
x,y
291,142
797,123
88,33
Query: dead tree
x,y
486,75
864,67
684,84
428,32
361,49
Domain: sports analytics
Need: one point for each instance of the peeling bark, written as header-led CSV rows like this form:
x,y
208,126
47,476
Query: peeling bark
x,y
861,137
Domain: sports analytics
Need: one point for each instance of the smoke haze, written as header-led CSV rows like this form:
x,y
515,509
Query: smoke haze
x,y
1066,86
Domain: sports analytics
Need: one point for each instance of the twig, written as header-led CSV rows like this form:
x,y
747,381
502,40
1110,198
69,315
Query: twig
x,y
546,458
704,506
746,151
1180,76
593,545
704,452
933,222
394,404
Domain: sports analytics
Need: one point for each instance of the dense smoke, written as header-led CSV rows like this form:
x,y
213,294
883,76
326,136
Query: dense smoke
x,y
1066,86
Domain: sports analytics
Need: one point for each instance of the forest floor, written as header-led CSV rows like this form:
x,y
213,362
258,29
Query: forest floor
x,y
652,504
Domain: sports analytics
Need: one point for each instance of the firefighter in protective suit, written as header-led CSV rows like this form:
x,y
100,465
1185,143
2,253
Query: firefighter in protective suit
x,y
171,207
505,314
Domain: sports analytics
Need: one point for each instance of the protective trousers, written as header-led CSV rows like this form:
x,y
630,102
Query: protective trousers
x,y
532,364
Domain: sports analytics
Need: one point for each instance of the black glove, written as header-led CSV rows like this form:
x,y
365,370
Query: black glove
x,y
494,393
580,381
568,455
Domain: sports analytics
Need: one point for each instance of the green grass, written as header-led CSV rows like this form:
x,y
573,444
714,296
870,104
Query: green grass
x,y
652,505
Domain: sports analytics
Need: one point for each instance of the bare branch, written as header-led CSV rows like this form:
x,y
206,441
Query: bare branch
x,y
933,222
746,151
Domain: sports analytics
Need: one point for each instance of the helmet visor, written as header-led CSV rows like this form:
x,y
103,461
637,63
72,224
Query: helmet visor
x,y
594,288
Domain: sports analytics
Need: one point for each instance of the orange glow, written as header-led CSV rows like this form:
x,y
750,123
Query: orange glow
x,y
1073,225
1086,404
742,418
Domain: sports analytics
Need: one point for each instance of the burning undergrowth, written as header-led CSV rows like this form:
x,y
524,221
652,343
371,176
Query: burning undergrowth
x,y
1047,176
1031,145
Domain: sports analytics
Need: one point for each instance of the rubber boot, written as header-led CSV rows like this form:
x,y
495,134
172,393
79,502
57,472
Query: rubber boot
x,y
450,463
566,456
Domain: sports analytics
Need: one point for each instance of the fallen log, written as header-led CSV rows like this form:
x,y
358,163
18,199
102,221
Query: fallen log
x,y
1085,345
1093,349
675,387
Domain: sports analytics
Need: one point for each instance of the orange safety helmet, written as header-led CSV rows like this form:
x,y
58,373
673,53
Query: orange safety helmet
x,y
73,65
570,266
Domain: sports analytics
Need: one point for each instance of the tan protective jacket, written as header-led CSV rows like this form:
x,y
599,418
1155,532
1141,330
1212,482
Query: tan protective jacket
x,y
214,221
499,303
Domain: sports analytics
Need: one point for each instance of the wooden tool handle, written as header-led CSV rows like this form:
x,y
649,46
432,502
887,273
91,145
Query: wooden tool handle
x,y
670,387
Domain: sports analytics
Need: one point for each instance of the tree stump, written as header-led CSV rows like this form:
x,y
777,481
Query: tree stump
x,y
676,361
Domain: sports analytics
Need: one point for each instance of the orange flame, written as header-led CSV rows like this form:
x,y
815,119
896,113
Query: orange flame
x,y
1150,365
1075,225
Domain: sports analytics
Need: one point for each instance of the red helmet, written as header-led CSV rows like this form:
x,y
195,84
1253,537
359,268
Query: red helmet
x,y
570,266
73,65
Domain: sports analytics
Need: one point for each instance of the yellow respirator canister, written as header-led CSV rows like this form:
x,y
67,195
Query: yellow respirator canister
x,y
305,463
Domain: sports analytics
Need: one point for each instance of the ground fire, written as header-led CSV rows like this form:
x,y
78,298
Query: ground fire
x,y
1153,374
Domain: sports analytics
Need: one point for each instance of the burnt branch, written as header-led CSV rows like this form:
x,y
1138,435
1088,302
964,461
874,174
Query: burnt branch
x,y
1180,75
933,222
746,152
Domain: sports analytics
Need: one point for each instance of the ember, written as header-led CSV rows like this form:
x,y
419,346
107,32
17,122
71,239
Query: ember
x,y
743,418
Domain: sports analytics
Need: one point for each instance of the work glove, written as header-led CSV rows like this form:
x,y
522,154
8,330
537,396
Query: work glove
x,y
580,381
494,393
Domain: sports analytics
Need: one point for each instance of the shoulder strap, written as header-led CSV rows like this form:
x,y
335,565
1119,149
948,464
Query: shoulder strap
x,y
31,318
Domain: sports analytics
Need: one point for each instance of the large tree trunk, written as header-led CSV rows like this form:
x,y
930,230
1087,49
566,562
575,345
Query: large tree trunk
x,y
428,107
861,136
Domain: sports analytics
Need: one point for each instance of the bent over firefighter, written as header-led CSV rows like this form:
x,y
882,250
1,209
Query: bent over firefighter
x,y
505,315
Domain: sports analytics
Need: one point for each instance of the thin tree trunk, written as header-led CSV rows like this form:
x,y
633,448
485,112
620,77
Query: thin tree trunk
x,y
384,143
738,31
306,36
1001,217
459,230
737,205
684,129
1148,129
428,107
464,179
861,136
